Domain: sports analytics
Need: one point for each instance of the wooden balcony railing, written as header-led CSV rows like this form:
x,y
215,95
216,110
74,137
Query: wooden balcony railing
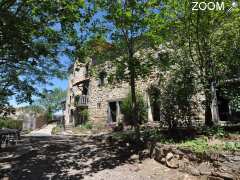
x,y
81,100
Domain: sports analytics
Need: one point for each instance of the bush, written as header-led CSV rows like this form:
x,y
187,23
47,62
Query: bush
x,y
177,105
87,125
214,131
84,113
127,110
119,127
10,123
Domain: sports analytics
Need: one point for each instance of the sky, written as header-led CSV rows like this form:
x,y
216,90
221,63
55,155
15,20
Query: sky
x,y
57,83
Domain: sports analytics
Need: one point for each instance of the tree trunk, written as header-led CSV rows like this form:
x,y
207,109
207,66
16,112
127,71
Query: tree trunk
x,y
133,93
208,102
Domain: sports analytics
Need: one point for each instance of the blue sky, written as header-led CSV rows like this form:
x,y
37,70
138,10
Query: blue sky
x,y
55,81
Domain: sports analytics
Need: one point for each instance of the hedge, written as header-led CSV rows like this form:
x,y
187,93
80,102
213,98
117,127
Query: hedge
x,y
6,122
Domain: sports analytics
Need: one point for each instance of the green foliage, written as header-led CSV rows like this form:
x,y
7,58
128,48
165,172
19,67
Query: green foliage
x,y
127,25
87,125
176,94
10,123
154,135
123,135
201,145
85,113
51,101
209,39
217,131
235,102
32,36
232,146
83,127
127,110
198,145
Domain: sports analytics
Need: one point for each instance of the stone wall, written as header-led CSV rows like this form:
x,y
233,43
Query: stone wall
x,y
211,166
108,93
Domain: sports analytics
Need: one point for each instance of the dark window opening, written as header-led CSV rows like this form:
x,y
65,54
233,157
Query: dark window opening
x,y
98,105
85,88
87,70
102,76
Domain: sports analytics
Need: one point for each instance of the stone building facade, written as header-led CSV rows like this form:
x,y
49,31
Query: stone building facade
x,y
102,100
98,97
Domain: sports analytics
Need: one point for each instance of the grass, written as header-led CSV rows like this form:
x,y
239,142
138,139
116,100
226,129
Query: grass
x,y
214,142
204,145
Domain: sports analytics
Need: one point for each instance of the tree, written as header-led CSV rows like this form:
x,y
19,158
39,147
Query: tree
x,y
210,39
126,109
126,26
32,36
51,101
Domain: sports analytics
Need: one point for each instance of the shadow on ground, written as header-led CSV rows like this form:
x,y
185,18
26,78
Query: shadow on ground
x,y
63,158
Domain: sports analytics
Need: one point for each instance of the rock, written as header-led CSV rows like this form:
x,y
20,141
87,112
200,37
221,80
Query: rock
x,y
163,161
5,178
183,164
225,176
205,168
177,151
192,170
173,163
169,156
143,154
185,177
158,154
134,157
214,178
235,158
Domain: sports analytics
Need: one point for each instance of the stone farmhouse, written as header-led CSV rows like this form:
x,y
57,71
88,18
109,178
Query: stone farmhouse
x,y
98,97
101,99
95,97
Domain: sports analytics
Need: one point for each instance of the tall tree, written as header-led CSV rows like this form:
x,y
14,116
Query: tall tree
x,y
210,39
32,36
51,101
125,25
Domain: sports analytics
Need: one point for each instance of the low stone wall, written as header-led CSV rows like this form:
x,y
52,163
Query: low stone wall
x,y
212,165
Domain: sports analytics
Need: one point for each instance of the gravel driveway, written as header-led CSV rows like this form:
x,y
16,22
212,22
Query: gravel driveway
x,y
45,131
89,158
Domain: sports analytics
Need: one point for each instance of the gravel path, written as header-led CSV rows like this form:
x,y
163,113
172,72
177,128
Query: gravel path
x,y
74,158
45,131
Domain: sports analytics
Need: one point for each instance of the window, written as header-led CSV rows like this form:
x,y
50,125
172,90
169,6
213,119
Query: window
x,y
87,70
102,76
99,105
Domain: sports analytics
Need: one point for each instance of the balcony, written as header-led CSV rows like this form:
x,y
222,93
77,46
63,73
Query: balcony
x,y
81,100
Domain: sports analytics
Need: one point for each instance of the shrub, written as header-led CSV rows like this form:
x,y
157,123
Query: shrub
x,y
84,113
6,122
127,110
198,145
87,125
177,105
214,131
119,127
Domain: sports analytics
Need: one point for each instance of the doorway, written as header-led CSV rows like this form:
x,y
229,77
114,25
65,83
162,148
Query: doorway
x,y
112,112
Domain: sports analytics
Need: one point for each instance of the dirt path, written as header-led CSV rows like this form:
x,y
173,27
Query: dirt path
x,y
79,158
45,131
